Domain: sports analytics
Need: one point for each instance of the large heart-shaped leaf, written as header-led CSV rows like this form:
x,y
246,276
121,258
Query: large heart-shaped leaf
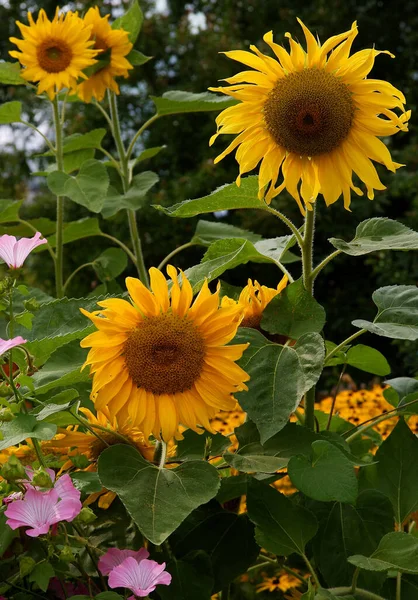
x,y
397,551
157,499
397,315
280,375
378,234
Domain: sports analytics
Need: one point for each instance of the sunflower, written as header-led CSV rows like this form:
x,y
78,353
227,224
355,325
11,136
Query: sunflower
x,y
312,114
116,44
253,299
54,52
161,360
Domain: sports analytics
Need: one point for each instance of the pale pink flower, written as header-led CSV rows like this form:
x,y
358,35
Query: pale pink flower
x,y
14,253
5,345
39,510
140,577
115,557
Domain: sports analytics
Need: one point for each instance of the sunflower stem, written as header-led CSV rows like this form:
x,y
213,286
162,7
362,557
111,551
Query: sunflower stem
x,y
59,250
173,253
287,222
126,180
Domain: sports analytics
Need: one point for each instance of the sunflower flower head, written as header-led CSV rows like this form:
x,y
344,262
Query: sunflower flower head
x,y
312,118
54,53
114,45
162,359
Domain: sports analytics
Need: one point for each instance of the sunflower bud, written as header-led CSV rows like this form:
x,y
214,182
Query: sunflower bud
x,y
13,469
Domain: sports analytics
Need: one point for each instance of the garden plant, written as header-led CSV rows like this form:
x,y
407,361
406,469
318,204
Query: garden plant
x,y
167,440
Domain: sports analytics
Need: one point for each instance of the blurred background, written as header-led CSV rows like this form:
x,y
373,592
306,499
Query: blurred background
x,y
185,39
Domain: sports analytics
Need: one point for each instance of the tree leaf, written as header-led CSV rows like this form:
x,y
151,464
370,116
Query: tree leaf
x,y
191,578
134,197
62,369
23,427
208,232
397,470
137,59
280,375
226,197
148,491
327,475
293,313
397,315
10,112
281,526
177,101
397,551
10,74
88,188
131,21
367,359
378,234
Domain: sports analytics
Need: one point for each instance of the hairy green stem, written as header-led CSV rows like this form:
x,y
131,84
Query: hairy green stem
x,y
59,249
310,408
311,570
323,264
46,140
121,244
345,343
334,399
354,580
398,586
139,133
80,532
124,163
286,221
174,252
307,250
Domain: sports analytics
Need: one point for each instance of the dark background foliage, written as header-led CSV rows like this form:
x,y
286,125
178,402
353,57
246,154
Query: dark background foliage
x,y
185,39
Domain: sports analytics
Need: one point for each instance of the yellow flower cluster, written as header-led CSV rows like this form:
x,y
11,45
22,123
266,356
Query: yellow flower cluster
x,y
56,54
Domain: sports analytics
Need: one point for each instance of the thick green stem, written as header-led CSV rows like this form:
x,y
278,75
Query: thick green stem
x,y
139,133
398,586
59,250
125,175
311,570
334,398
310,408
324,263
286,221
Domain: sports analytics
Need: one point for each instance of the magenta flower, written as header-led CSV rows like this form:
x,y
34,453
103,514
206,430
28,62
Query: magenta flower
x,y
140,577
14,253
5,345
115,557
39,510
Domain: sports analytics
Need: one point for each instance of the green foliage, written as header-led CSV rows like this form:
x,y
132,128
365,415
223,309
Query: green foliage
x,y
76,230
362,357
23,427
9,210
397,551
61,369
111,263
378,234
41,575
138,483
208,232
131,21
191,578
133,199
10,74
175,102
10,112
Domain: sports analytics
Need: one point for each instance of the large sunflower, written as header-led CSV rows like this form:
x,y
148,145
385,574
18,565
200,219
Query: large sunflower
x,y
162,360
314,116
116,44
54,52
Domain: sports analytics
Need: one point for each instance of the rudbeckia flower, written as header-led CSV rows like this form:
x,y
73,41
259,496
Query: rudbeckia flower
x,y
311,118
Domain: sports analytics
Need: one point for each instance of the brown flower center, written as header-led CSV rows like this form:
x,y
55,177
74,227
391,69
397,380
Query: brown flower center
x,y
100,44
54,56
309,112
165,354
107,439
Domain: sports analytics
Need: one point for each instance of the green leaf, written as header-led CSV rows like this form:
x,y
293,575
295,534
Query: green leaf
x,y
111,263
226,197
10,74
208,232
367,359
227,538
327,475
41,575
140,484
131,21
73,161
9,209
77,230
254,463
227,254
280,375
10,112
397,551
378,234
352,529
88,188
194,446
405,389
145,155
191,578
24,319
397,315
6,533
137,59
79,141
107,596
177,101
62,369
281,526
55,404
231,488
293,313
23,427
134,197
86,482
397,470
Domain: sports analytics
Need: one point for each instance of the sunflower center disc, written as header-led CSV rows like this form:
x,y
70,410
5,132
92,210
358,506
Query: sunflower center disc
x,y
54,56
100,44
106,440
310,112
165,354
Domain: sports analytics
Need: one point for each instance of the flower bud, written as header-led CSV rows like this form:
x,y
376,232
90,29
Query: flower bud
x,y
86,515
66,554
6,414
13,469
5,391
42,479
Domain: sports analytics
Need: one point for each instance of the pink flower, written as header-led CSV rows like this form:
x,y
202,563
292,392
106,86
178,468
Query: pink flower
x,y
115,557
140,577
5,345
14,253
39,510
